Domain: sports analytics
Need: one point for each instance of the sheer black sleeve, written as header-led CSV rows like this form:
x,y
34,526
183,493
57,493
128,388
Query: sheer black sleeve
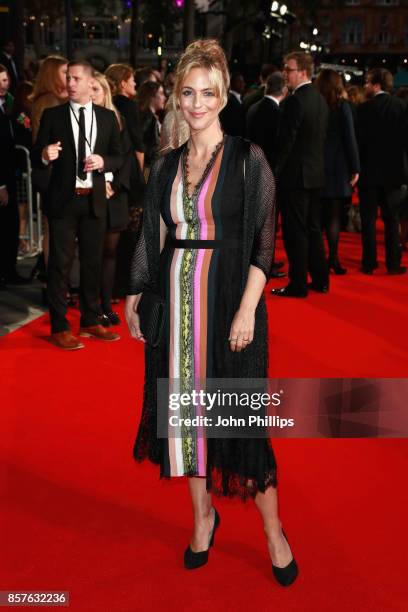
x,y
144,265
264,193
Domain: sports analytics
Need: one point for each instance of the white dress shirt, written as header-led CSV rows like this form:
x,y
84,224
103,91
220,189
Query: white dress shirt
x,y
75,129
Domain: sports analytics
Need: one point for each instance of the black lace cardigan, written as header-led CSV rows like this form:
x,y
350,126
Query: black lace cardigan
x,y
258,224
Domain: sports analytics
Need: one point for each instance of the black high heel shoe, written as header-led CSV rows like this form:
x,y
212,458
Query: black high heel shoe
x,y
194,560
288,574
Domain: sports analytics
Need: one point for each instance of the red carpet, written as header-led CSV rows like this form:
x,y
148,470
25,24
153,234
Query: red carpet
x,y
79,515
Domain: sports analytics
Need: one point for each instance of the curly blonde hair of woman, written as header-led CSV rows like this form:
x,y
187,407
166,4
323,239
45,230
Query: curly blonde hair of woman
x,y
202,53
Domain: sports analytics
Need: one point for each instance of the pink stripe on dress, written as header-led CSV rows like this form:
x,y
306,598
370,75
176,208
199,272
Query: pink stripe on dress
x,y
201,208
200,302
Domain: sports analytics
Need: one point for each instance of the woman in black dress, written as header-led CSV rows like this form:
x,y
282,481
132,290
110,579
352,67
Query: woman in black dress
x,y
206,247
341,160
122,82
117,192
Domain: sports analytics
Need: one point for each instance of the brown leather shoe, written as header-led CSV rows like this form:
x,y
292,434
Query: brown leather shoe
x,y
98,331
66,340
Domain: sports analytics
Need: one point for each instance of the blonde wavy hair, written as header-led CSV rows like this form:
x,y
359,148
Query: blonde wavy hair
x,y
107,102
203,53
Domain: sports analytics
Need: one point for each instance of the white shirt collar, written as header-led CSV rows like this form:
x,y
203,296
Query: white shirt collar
x,y
272,98
380,92
76,106
236,94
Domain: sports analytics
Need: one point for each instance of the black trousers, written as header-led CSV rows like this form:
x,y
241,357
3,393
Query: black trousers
x,y
9,227
302,237
78,222
389,200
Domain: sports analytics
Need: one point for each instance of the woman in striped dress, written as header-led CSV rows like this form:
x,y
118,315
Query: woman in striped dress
x,y
206,248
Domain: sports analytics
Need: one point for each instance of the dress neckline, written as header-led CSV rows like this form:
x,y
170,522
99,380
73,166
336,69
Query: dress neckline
x,y
205,173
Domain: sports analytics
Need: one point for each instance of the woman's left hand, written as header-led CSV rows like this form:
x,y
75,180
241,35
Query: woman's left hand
x,y
242,330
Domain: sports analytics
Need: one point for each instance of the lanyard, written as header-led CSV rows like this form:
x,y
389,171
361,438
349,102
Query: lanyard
x,y
80,129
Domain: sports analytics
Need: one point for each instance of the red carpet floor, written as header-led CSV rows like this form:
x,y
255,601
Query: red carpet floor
x,y
77,514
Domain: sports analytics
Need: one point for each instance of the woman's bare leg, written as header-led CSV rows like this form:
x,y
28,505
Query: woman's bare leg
x,y
267,504
203,517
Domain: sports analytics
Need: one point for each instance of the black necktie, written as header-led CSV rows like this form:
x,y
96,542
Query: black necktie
x,y
81,144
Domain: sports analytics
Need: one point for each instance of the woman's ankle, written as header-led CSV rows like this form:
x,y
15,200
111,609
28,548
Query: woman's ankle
x,y
273,530
203,516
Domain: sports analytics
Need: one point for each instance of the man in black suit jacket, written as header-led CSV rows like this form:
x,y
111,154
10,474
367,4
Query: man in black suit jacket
x,y
300,177
382,137
232,116
262,120
7,60
81,141
255,95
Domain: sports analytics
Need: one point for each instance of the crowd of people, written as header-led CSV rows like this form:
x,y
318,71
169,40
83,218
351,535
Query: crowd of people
x,y
327,152
326,144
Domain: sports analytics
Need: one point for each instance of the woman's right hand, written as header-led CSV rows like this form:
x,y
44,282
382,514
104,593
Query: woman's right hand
x,y
132,318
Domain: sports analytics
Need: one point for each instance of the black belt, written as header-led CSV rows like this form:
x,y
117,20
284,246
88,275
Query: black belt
x,y
205,244
83,191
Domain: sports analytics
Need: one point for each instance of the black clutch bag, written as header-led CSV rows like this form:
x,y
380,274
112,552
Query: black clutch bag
x,y
152,312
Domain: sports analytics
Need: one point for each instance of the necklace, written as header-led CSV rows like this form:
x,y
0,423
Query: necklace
x,y
186,169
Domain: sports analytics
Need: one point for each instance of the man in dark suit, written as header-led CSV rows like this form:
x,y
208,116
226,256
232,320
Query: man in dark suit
x,y
232,116
7,60
262,120
300,177
257,94
382,137
81,141
9,220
